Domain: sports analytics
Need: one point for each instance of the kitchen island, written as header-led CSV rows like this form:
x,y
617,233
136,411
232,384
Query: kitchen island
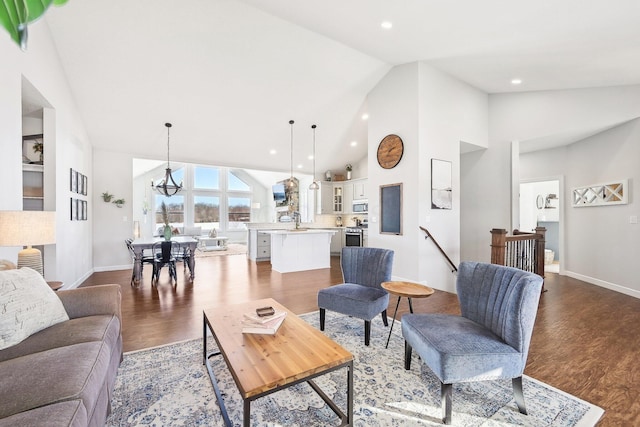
x,y
299,250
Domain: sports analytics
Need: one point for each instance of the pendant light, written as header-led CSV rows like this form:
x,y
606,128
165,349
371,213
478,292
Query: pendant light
x,y
291,182
314,185
167,186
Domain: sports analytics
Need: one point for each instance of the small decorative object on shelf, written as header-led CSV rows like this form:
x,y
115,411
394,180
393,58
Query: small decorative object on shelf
x,y
38,148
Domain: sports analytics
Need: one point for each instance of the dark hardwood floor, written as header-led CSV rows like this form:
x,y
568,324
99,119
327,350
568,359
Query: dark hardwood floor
x,y
585,341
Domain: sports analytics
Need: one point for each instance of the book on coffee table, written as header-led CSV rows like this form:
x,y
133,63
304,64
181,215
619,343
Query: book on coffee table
x,y
269,327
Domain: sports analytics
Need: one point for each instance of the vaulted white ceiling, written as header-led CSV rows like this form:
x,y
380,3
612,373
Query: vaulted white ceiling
x,y
230,74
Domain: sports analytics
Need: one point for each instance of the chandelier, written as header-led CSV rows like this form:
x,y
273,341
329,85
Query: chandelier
x,y
167,186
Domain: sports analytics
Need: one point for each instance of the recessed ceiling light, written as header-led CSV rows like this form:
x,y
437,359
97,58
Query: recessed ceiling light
x,y
516,81
272,151
365,116
386,25
310,157
299,166
354,143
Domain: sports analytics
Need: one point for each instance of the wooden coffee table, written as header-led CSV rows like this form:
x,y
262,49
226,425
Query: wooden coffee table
x,y
264,364
405,289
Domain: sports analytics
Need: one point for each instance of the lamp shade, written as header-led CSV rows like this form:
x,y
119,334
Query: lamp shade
x,y
27,228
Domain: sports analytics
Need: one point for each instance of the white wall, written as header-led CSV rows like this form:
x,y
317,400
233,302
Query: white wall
x,y
432,112
486,175
64,131
393,109
602,246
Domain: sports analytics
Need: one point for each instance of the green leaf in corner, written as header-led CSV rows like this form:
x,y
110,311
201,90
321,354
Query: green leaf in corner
x,y
15,15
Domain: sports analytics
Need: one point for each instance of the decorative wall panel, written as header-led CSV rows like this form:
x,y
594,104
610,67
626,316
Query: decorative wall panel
x,y
614,193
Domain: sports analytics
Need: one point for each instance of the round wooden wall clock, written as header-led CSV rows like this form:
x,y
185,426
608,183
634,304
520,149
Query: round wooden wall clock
x,y
390,151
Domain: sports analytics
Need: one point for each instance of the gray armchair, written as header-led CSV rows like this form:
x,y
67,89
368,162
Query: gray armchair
x,y
361,296
490,340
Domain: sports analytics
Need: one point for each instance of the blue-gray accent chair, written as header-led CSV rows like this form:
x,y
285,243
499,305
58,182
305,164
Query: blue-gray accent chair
x,y
361,296
490,340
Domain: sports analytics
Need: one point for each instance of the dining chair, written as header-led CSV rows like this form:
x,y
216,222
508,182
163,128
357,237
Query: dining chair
x,y
488,341
147,257
182,253
361,295
164,255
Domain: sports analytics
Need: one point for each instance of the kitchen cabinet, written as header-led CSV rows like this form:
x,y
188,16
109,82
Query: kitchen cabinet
x,y
324,198
331,197
259,245
360,189
337,242
354,190
338,198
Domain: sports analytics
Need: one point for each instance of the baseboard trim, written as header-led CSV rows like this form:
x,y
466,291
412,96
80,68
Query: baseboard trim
x,y
603,284
113,268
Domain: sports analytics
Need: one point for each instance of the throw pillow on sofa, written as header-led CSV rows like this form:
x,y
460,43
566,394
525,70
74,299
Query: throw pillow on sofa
x,y
27,305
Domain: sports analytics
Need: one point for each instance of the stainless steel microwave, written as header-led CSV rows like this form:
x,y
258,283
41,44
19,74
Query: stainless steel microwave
x,y
360,206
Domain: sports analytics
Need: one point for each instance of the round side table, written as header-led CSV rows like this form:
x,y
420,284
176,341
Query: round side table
x,y
408,290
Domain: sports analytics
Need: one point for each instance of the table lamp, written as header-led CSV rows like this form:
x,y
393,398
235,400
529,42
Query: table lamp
x,y
28,228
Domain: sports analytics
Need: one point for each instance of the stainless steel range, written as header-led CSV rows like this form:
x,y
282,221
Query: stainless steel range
x,y
354,236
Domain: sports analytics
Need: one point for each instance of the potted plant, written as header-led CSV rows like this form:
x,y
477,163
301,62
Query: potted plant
x,y
118,202
107,197
349,169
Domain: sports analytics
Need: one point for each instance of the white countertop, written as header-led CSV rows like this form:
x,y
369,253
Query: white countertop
x,y
300,231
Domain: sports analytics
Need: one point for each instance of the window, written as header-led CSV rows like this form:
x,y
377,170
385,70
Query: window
x,y
237,184
175,206
239,212
206,178
206,212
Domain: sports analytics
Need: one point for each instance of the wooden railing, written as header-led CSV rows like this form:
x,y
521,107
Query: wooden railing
x,y
454,269
520,250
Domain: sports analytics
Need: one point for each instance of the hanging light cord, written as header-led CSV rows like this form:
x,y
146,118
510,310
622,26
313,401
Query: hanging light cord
x,y
291,178
314,152
314,184
168,125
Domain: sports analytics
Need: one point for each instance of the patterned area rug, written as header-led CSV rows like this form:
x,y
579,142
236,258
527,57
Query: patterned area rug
x,y
169,385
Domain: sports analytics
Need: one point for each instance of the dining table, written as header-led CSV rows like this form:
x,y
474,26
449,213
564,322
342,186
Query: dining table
x,y
139,245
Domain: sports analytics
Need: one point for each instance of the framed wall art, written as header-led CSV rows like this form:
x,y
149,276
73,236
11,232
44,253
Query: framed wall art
x,y
73,181
441,191
74,209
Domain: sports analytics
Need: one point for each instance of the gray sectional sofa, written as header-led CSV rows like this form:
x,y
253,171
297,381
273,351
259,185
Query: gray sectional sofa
x,y
64,375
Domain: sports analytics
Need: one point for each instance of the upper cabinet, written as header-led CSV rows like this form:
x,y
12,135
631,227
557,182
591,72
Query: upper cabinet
x,y
359,189
336,197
